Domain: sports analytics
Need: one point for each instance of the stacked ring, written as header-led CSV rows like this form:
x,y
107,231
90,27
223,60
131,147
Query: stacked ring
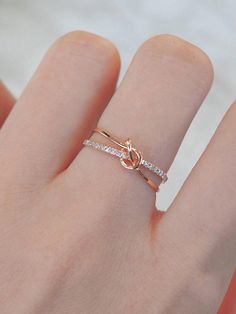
x,y
130,157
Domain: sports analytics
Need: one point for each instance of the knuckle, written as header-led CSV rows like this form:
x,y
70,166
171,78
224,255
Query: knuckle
x,y
208,294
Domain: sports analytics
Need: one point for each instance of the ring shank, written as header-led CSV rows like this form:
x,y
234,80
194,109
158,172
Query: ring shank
x,y
125,154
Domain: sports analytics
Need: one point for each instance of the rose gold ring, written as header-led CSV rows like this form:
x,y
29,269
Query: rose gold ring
x,y
130,157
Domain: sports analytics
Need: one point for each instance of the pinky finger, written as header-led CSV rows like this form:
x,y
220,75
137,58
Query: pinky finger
x,y
6,103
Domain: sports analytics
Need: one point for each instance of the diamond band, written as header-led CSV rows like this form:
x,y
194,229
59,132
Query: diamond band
x,y
116,152
106,149
130,157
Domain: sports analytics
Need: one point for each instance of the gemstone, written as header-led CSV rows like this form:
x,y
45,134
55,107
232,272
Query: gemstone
x,y
123,155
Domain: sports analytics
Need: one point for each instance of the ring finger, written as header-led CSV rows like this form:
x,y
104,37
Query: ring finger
x,y
158,98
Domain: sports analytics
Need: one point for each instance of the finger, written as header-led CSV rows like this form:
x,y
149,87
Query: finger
x,y
6,102
159,96
229,304
60,104
204,218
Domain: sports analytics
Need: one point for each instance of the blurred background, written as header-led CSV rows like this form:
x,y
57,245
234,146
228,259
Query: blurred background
x,y
28,27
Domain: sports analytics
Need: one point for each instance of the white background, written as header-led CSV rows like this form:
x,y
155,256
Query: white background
x,y
27,28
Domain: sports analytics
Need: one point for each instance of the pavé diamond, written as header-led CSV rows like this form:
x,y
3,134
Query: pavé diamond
x,y
121,154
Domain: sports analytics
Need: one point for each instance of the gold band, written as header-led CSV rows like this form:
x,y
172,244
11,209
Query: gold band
x,y
130,157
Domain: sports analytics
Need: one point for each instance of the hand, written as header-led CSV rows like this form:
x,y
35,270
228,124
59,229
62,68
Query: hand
x,y
79,233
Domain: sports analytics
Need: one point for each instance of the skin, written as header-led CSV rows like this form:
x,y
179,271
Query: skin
x,y
79,233
6,102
